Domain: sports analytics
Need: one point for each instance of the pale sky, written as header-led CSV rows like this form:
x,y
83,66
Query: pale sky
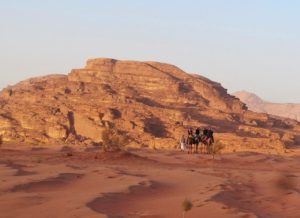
x,y
245,45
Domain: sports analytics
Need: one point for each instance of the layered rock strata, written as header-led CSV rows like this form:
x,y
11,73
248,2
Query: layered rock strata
x,y
150,102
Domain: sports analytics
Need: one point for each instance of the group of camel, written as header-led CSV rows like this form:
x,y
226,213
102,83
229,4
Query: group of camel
x,y
196,141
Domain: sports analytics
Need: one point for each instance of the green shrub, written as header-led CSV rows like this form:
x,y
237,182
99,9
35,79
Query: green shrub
x,y
187,205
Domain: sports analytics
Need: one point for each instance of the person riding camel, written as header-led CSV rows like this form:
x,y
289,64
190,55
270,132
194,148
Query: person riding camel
x,y
197,132
210,134
205,132
190,140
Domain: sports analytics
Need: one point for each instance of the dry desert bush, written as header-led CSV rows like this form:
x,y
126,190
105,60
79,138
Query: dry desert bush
x,y
216,148
186,205
113,140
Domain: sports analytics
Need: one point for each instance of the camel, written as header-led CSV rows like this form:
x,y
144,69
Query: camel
x,y
195,142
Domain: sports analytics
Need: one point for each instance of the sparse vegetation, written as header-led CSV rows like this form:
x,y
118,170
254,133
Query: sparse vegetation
x,y
187,205
113,140
216,148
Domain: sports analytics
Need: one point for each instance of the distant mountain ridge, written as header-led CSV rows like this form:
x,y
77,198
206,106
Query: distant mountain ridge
x,y
255,103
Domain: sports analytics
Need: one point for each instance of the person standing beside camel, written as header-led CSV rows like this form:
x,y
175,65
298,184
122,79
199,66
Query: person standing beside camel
x,y
182,143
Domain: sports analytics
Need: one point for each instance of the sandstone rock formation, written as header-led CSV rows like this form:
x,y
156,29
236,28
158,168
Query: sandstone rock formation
x,y
256,104
152,103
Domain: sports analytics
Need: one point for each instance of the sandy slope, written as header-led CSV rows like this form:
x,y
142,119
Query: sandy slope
x,y
55,183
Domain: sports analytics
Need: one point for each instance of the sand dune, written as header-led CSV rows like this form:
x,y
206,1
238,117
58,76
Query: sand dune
x,y
146,183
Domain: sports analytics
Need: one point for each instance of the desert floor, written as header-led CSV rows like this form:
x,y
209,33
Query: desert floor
x,y
85,182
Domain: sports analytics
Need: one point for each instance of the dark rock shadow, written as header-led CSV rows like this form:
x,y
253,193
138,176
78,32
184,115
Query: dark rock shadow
x,y
19,168
148,102
50,184
116,113
155,127
112,204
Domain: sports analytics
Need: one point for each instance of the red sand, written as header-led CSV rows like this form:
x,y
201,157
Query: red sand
x,y
144,183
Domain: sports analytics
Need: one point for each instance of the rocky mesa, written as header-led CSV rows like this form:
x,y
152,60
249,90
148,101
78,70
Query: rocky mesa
x,y
255,103
152,103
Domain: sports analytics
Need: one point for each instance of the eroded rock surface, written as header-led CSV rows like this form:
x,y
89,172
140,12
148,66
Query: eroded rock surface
x,y
153,103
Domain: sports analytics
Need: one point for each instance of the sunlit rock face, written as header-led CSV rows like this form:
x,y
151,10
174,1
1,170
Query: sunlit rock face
x,y
152,103
256,104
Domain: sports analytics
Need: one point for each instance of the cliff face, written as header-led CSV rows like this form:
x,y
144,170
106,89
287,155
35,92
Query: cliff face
x,y
256,104
152,103
163,83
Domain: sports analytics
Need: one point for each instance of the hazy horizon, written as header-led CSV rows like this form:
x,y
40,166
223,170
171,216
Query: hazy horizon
x,y
253,46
